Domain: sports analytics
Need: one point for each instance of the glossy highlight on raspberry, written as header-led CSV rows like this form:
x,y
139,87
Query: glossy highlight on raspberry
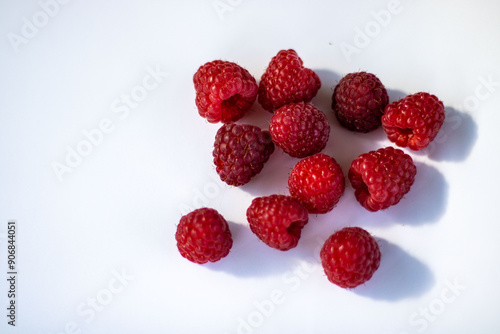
x,y
350,257
277,220
317,182
381,178
286,80
225,91
203,236
300,129
414,121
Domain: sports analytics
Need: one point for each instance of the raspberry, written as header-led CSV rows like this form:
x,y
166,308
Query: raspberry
x,y
225,91
299,129
359,100
277,220
350,257
317,182
413,121
381,178
286,80
203,235
240,151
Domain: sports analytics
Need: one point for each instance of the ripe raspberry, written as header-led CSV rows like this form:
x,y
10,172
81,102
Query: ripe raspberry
x,y
381,178
359,100
350,257
317,182
286,80
225,91
240,151
413,121
277,220
300,129
203,235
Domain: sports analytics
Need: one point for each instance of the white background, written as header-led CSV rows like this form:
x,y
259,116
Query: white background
x,y
96,248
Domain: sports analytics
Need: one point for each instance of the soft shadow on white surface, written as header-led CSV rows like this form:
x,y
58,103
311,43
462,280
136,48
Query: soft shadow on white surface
x,y
345,145
455,139
257,116
323,99
395,94
399,276
426,201
329,79
273,179
250,257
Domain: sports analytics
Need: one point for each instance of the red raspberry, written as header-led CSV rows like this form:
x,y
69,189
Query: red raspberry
x,y
277,220
240,151
381,178
203,235
413,121
359,100
317,182
286,80
300,129
350,257
225,91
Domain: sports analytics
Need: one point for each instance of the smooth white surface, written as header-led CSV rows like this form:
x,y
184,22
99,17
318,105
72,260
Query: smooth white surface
x,y
96,248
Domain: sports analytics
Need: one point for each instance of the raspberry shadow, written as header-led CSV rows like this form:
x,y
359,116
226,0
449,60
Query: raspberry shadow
x,y
426,201
399,276
456,138
250,257
395,94
323,99
273,179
